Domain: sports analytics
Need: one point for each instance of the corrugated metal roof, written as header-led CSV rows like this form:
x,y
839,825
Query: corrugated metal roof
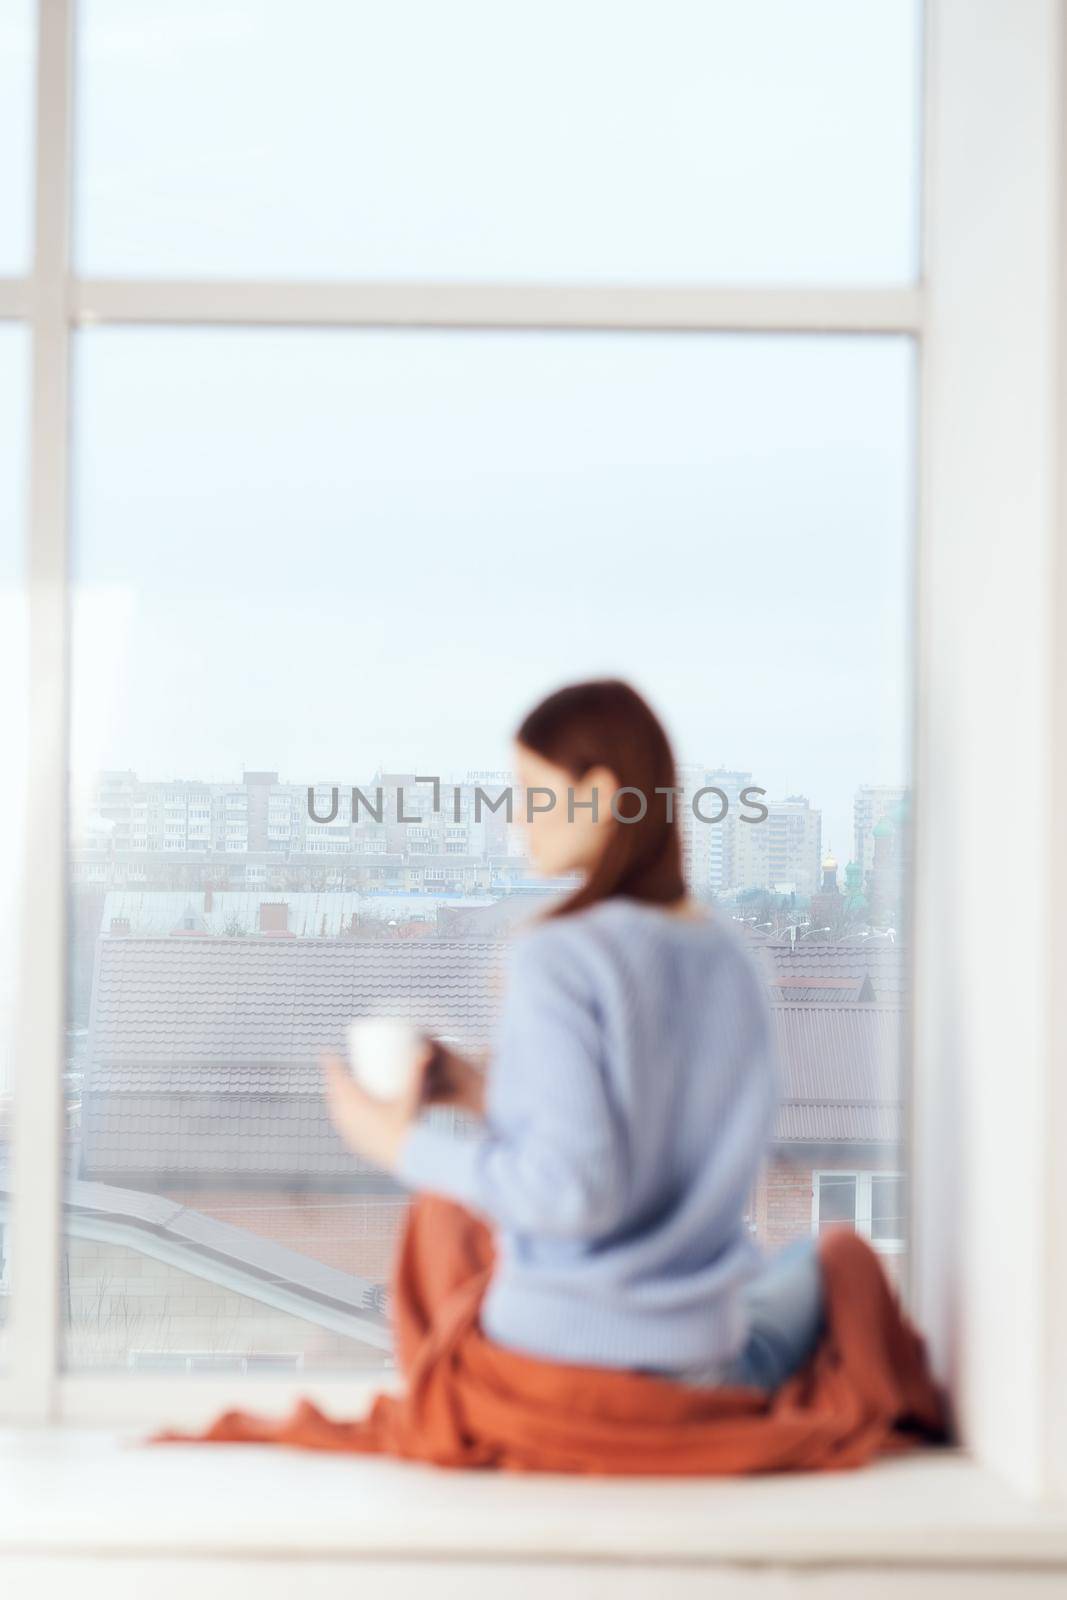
x,y
151,911
840,1073
827,1122
838,1052
499,920
311,914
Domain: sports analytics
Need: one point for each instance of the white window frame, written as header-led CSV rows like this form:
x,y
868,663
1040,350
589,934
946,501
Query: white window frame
x,y
862,1219
985,1176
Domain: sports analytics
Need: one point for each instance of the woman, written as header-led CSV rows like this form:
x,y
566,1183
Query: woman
x,y
629,1102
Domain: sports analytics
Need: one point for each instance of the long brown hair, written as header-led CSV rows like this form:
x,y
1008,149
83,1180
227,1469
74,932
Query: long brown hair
x,y
607,723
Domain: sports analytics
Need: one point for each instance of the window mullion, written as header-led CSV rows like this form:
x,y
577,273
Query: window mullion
x,y
38,1130
663,307
14,299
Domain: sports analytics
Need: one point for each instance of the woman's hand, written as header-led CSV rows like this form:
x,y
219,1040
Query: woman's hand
x,y
453,1080
372,1128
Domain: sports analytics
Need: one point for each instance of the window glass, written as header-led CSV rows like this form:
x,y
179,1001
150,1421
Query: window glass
x,y
344,560
887,1208
14,381
575,140
16,126
837,1198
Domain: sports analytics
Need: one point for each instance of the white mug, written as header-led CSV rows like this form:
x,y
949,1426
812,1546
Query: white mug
x,y
382,1053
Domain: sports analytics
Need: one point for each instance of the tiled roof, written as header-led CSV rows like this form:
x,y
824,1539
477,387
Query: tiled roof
x,y
250,1001
202,1054
791,990
843,963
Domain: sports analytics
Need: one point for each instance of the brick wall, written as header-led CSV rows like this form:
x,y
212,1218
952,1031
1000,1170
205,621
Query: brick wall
x,y
782,1204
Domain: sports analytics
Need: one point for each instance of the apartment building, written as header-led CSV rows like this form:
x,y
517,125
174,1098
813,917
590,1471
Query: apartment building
x,y
781,852
707,845
393,814
872,804
400,833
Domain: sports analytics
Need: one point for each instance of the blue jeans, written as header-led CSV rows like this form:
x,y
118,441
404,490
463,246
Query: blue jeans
x,y
784,1310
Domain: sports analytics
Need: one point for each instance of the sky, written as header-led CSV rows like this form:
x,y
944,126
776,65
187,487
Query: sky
x,y
319,552
688,140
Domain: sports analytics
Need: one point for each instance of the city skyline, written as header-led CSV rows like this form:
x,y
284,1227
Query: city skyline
x,y
392,816
420,782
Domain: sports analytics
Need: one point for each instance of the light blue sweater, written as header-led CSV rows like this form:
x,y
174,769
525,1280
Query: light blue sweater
x,y
629,1105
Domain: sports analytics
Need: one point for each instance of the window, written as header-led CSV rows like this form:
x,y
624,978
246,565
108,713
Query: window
x,y
887,1209
14,729
777,470
735,385
870,1202
835,1197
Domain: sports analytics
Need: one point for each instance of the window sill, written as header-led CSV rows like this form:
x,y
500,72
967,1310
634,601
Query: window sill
x,y
68,1492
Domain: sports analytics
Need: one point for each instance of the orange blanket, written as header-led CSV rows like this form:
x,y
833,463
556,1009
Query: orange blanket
x,y
470,1403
